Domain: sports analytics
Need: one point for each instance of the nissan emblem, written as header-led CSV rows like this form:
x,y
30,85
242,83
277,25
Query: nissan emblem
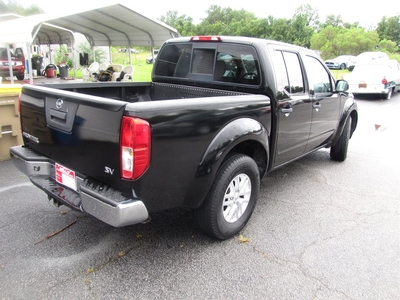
x,y
59,103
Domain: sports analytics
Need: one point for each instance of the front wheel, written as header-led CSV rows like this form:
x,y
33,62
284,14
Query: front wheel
x,y
232,198
339,151
389,94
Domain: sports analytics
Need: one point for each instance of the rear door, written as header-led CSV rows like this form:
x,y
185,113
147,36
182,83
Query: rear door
x,y
294,107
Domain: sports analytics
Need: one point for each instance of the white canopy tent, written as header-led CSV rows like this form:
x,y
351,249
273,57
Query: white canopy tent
x,y
114,25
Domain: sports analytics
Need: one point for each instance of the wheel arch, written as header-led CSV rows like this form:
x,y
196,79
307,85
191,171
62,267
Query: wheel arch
x,y
246,136
350,111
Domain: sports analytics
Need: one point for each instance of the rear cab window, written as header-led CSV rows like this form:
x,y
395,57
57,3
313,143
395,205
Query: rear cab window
x,y
220,62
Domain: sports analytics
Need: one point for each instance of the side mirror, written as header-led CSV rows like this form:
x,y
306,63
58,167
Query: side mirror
x,y
342,85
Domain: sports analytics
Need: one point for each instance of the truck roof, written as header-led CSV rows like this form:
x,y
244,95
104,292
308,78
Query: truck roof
x,y
235,39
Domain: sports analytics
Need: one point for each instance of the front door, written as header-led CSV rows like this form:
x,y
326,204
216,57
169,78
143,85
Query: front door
x,y
325,103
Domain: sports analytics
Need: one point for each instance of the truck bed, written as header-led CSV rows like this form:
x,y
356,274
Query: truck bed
x,y
141,91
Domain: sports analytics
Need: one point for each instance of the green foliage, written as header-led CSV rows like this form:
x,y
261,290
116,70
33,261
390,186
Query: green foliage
x,y
142,70
99,53
62,57
395,56
182,23
226,21
388,46
11,6
309,14
389,29
334,41
300,32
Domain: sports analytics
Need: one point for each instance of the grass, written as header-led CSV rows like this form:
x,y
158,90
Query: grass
x,y
142,72
339,73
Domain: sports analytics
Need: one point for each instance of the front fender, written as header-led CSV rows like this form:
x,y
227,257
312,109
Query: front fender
x,y
349,111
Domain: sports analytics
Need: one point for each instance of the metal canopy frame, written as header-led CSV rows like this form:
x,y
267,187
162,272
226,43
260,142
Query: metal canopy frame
x,y
113,25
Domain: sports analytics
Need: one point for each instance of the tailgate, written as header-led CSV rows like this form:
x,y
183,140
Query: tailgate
x,y
78,131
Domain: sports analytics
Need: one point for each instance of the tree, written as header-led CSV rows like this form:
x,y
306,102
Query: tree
x,y
388,46
389,29
182,23
14,7
334,41
280,29
226,21
300,33
334,21
100,54
310,14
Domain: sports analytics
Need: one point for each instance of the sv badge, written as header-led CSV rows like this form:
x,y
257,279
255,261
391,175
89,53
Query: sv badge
x,y
108,170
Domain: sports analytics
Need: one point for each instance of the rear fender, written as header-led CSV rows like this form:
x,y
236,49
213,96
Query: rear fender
x,y
228,139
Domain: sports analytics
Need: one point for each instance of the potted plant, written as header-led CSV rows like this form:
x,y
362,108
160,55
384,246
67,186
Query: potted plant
x,y
37,61
64,61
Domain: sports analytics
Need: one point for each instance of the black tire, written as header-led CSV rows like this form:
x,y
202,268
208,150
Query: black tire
x,y
213,215
343,66
389,94
339,151
20,77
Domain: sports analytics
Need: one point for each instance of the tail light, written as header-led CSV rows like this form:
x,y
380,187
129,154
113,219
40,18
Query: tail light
x,y
384,81
135,145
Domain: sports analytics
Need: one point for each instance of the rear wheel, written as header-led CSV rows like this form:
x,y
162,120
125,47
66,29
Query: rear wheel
x,y
343,66
232,198
339,151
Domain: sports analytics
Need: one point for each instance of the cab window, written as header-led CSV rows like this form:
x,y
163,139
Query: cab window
x,y
238,64
288,73
209,62
319,79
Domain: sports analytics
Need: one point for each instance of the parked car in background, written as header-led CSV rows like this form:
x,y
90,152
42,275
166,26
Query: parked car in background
x,y
367,57
17,62
378,77
341,62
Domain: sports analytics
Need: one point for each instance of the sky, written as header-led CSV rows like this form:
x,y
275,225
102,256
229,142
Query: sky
x,y
351,11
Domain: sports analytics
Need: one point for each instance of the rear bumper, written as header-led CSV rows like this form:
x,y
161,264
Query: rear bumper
x,y
103,202
372,89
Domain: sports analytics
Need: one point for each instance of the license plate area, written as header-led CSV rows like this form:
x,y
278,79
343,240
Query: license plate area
x,y
66,176
362,85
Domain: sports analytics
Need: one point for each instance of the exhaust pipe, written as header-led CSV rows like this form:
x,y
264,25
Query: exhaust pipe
x,y
54,201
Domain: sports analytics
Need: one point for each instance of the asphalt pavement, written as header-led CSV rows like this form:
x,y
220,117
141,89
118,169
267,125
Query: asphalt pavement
x,y
321,230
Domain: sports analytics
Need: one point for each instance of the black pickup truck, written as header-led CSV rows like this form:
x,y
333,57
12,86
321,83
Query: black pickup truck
x,y
219,114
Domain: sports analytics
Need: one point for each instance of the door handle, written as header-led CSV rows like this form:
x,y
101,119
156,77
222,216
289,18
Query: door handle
x,y
317,106
286,111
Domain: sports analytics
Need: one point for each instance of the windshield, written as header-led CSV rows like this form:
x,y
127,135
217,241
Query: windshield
x,y
3,53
